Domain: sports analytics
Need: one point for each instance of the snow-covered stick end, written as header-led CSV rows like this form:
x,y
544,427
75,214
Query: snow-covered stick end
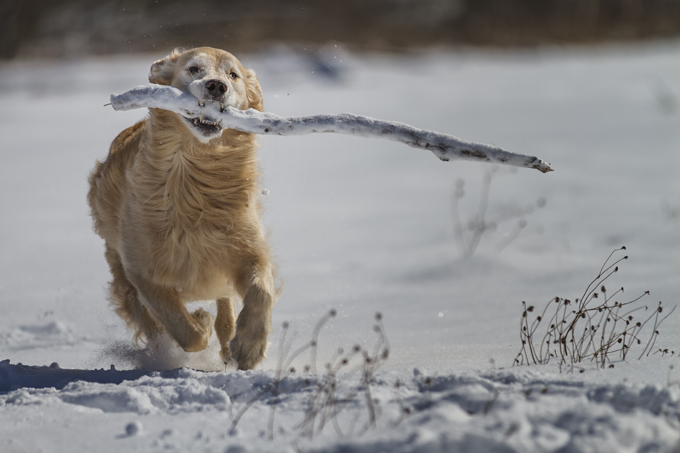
x,y
542,166
145,96
448,148
122,102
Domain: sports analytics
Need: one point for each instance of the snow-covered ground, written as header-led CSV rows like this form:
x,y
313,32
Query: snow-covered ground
x,y
361,226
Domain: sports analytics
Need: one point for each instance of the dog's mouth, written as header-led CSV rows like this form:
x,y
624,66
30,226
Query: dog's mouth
x,y
206,126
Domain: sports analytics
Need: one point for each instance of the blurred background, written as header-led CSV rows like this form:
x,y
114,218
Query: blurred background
x,y
68,28
446,252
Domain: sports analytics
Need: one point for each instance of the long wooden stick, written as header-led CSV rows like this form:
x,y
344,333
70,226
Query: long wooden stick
x,y
445,147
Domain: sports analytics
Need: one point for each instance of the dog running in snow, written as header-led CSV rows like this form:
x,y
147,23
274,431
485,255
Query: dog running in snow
x,y
177,204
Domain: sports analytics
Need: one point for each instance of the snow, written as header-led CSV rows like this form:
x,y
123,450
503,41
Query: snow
x,y
362,227
445,147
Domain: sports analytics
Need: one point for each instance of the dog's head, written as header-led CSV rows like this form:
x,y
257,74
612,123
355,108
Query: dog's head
x,y
210,75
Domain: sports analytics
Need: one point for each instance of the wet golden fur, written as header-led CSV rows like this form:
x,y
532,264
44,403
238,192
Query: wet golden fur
x,y
180,216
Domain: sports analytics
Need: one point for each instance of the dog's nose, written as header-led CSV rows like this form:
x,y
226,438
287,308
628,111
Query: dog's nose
x,y
216,88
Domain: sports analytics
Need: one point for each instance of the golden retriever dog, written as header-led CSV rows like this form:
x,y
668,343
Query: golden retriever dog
x,y
177,204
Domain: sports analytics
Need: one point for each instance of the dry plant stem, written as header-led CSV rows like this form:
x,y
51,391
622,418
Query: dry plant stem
x,y
657,323
249,404
315,337
277,380
483,206
479,225
481,213
598,328
324,404
510,238
403,410
284,361
469,237
445,147
458,230
365,381
587,297
590,289
548,334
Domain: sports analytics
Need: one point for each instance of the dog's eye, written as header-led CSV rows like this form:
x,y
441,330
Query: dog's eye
x,y
194,70
233,75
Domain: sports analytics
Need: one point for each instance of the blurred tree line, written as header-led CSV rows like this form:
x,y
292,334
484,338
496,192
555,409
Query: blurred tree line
x,y
63,28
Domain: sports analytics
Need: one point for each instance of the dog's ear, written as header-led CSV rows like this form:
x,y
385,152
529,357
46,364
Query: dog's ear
x,y
162,71
253,91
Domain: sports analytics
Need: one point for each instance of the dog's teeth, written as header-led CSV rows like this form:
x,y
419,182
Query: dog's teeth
x,y
200,118
221,107
201,104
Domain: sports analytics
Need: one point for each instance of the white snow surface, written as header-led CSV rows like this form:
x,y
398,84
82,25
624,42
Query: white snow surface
x,y
362,227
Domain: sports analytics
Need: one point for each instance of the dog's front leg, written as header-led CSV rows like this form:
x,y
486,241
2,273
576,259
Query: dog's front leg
x,y
225,325
191,331
254,321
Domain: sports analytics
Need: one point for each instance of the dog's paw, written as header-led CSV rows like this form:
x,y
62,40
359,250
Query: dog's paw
x,y
225,354
248,350
204,318
199,341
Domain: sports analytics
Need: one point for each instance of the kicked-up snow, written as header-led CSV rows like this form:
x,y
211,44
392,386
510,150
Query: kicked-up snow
x,y
363,226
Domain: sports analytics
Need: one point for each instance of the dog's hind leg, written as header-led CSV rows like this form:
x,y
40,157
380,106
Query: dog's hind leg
x,y
256,285
126,303
191,331
225,325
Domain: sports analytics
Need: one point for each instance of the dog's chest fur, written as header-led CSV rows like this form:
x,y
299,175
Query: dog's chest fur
x,y
193,205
